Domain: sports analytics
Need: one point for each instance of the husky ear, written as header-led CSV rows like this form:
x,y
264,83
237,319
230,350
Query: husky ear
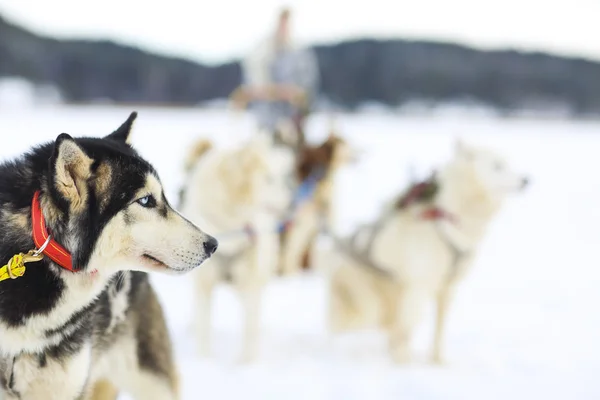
x,y
70,168
123,133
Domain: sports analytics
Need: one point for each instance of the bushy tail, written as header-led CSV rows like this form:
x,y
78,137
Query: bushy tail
x,y
197,150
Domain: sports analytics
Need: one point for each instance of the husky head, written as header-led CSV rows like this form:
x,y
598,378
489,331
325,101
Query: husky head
x,y
106,205
329,155
485,169
263,173
341,151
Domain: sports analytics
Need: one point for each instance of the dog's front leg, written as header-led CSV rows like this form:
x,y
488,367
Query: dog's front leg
x,y
408,312
251,297
202,322
205,282
443,300
61,377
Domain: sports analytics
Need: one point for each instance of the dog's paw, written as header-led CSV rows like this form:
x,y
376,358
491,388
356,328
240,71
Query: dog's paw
x,y
246,358
289,268
401,356
438,361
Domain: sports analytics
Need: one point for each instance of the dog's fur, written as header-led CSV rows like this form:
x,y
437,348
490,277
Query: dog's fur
x,y
226,190
315,212
89,333
419,254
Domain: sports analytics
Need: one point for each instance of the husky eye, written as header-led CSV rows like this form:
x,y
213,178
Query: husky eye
x,y
147,201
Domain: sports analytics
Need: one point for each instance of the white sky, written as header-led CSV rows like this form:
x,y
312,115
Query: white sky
x,y
212,31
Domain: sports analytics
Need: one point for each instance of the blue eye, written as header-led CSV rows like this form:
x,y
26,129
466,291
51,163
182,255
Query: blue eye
x,y
147,201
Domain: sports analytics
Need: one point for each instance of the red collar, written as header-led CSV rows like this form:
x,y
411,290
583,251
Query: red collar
x,y
53,250
435,213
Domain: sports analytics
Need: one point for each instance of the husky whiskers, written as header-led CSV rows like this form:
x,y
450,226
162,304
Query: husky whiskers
x,y
84,322
418,251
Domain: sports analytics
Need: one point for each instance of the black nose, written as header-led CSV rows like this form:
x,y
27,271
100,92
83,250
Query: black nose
x,y
524,183
210,246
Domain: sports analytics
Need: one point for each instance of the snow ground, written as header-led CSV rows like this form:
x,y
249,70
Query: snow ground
x,y
524,324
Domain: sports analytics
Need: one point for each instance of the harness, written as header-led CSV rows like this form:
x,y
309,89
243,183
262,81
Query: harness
x,y
228,260
304,192
363,257
307,187
458,255
423,193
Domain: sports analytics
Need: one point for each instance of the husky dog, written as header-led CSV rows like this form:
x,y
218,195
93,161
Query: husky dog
x,y
248,195
419,250
83,322
316,167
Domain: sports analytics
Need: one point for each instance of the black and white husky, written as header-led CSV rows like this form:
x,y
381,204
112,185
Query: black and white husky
x,y
83,322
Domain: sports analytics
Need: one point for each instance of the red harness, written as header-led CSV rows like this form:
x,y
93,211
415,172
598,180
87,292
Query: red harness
x,y
421,193
435,213
52,249
250,232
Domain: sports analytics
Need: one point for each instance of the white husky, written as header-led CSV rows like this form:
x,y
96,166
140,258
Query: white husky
x,y
418,252
241,193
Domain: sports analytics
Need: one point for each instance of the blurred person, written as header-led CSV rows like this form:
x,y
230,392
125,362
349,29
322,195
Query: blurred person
x,y
280,81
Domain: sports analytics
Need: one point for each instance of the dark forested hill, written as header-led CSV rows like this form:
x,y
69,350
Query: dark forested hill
x,y
353,72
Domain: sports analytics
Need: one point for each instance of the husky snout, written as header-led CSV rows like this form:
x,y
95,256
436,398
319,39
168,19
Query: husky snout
x,y
172,244
194,251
